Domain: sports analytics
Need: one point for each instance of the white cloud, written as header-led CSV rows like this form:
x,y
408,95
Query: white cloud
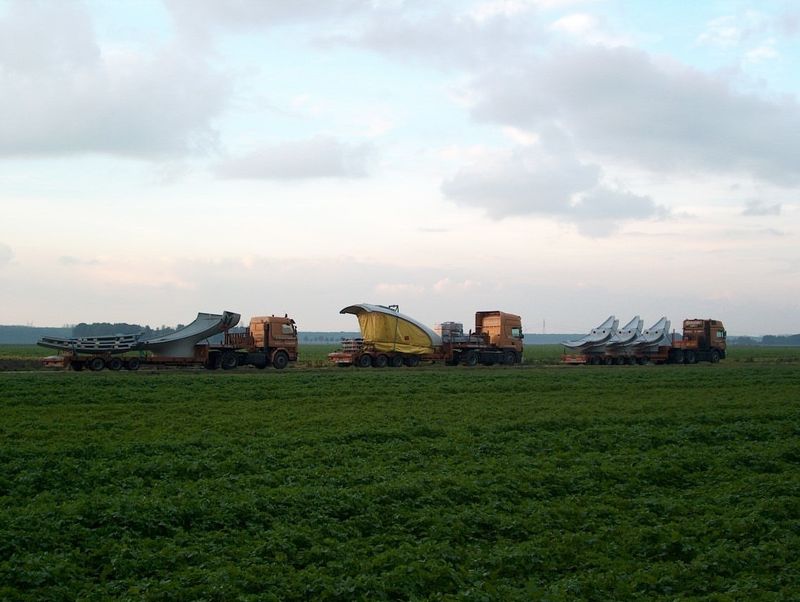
x,y
621,103
528,180
319,157
760,208
61,93
548,180
448,39
589,29
764,52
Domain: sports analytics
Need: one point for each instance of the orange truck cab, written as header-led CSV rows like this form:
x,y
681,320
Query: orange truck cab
x,y
500,329
703,340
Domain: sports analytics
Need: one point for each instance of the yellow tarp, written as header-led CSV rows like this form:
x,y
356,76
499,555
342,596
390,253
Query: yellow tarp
x,y
391,333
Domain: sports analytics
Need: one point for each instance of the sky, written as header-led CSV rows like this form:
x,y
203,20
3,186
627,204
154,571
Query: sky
x,y
564,160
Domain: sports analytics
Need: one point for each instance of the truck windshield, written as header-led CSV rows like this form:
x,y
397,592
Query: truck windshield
x,y
516,332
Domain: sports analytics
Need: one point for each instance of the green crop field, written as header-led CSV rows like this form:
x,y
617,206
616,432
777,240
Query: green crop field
x,y
531,482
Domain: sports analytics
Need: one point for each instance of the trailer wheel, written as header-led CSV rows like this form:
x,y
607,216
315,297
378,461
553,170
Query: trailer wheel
x,y
115,364
714,356
364,360
396,361
380,361
77,366
469,358
676,357
594,361
229,361
632,361
619,361
643,361
280,360
689,357
608,361
133,364
412,361
97,364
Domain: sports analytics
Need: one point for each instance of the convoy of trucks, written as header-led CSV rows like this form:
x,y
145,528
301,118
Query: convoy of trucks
x,y
388,339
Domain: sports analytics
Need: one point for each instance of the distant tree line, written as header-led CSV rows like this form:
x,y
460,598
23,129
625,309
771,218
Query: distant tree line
x,y
781,340
97,329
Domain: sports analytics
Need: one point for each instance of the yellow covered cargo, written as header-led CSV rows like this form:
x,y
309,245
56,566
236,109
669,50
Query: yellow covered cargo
x,y
386,329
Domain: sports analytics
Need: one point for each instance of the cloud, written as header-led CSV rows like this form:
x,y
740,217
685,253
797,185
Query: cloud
x,y
6,254
758,208
547,180
319,157
589,29
249,14
528,180
70,260
621,103
62,93
482,36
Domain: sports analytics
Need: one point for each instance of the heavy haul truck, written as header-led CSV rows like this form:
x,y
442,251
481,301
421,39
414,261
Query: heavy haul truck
x,y
267,341
389,338
703,340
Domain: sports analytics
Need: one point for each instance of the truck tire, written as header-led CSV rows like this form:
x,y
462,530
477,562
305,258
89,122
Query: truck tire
x,y
689,357
97,364
280,360
632,361
132,364
77,366
364,360
608,361
412,361
676,356
594,361
643,361
469,358
115,364
715,357
509,357
380,361
619,361
229,361
395,361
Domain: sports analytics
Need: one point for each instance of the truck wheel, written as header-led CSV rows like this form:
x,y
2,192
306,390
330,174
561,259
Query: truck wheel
x,y
689,357
77,366
229,361
97,364
469,358
380,361
643,361
677,356
594,361
280,360
619,361
364,360
396,361
714,356
608,361
412,361
115,364
133,364
509,357
632,361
